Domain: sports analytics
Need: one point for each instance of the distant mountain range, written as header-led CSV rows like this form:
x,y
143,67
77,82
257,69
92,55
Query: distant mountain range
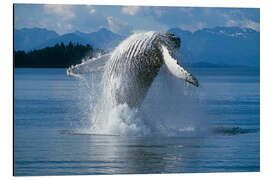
x,y
35,38
31,38
219,45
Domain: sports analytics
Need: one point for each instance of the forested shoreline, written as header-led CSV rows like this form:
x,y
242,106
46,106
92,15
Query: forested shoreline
x,y
63,56
58,56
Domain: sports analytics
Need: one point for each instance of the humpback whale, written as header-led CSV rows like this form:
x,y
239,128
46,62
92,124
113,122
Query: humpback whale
x,y
130,69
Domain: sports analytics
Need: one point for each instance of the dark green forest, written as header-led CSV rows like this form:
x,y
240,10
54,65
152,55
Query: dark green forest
x,y
58,56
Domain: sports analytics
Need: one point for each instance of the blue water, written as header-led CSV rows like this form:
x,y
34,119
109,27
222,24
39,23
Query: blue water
x,y
48,107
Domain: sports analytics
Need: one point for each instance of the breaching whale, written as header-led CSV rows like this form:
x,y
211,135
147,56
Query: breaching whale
x,y
130,69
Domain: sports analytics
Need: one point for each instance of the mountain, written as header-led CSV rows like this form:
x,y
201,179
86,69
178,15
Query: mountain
x,y
29,38
220,45
103,39
36,38
66,38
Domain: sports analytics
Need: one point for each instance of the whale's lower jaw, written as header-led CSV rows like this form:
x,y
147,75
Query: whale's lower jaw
x,y
133,98
134,94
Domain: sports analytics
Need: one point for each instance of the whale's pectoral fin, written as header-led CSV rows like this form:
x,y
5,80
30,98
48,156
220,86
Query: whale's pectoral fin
x,y
91,65
175,69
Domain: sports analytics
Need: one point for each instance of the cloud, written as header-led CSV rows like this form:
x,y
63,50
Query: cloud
x,y
193,27
194,18
130,10
65,11
91,9
159,12
118,26
70,18
244,24
187,10
253,25
123,19
66,27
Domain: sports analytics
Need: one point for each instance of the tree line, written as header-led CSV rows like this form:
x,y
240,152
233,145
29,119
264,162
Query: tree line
x,y
58,56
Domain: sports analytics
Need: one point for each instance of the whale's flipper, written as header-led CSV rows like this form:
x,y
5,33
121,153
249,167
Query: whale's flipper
x,y
92,65
175,69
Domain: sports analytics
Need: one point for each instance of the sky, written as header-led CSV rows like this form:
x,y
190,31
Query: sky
x,y
126,19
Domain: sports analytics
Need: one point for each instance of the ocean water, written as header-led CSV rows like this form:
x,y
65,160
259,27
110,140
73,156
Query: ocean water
x,y
213,128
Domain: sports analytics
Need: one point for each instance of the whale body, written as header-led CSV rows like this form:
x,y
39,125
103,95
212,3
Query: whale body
x,y
130,69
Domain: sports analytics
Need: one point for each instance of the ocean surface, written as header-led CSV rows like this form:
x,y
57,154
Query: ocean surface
x,y
218,129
